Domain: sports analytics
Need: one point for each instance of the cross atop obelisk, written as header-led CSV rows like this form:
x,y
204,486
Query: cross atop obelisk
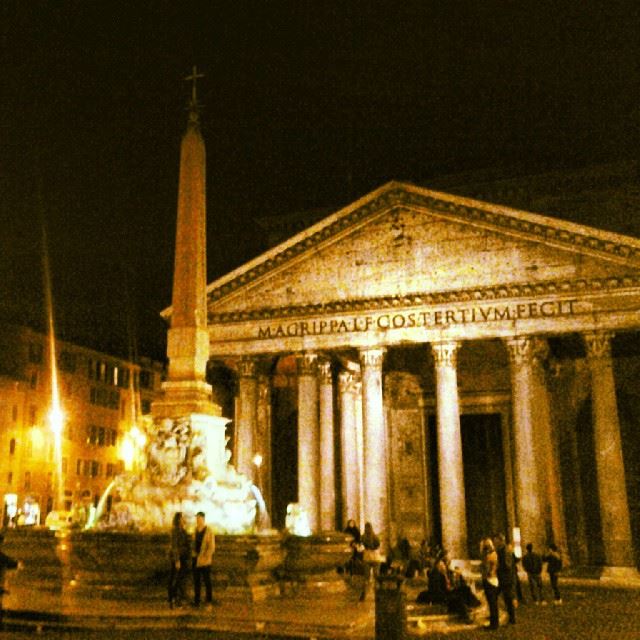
x,y
194,107
193,78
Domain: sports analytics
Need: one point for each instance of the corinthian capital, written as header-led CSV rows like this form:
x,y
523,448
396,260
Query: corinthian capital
x,y
307,363
324,372
247,367
372,358
348,382
445,353
598,344
522,350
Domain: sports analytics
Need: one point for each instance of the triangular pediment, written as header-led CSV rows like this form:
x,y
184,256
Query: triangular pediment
x,y
405,242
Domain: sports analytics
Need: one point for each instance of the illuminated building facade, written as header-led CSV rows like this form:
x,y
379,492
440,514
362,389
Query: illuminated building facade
x,y
444,368
102,398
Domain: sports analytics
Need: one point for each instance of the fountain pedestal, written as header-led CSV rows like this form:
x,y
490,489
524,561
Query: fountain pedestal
x,y
246,566
312,562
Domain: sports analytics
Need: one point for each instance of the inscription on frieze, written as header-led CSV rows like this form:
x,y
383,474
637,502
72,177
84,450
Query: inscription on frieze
x,y
417,319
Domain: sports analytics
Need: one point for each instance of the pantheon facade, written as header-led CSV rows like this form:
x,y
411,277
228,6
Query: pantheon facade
x,y
443,368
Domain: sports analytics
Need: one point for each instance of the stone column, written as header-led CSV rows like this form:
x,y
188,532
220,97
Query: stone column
x,y
327,449
375,445
350,469
359,449
612,489
450,469
547,449
507,448
529,509
308,438
247,416
264,437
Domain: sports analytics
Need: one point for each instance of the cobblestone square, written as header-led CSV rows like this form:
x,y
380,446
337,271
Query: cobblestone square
x,y
587,612
590,612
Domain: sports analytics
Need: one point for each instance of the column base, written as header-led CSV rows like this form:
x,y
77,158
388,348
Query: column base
x,y
620,576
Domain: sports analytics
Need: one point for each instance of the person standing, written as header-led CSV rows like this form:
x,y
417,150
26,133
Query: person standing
x,y
505,575
353,530
180,554
354,565
490,580
516,576
203,549
372,557
554,566
532,564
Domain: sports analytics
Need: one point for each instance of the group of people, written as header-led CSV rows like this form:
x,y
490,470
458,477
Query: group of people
x,y
447,586
190,554
500,575
366,557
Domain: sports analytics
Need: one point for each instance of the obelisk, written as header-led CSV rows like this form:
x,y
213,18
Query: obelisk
x,y
186,394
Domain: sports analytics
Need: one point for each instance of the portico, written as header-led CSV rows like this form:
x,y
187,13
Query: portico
x,y
410,304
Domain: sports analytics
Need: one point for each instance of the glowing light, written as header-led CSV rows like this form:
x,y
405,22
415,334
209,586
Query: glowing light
x,y
297,520
132,448
36,437
138,437
56,419
517,542
11,504
128,452
257,460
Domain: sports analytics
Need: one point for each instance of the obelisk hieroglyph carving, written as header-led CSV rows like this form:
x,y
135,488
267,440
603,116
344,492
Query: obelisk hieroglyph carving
x,y
186,393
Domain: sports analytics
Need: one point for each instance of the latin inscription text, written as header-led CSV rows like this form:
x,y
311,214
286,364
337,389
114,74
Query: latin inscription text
x,y
416,319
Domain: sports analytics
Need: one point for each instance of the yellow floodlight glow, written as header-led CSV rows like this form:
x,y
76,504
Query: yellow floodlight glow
x,y
56,419
36,436
127,452
138,437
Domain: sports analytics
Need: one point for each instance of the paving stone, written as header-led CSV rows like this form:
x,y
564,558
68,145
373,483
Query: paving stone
x,y
588,611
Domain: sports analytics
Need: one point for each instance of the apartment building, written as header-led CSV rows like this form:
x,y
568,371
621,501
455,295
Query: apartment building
x,y
102,399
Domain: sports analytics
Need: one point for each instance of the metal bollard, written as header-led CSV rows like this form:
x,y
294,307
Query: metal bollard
x,y
391,617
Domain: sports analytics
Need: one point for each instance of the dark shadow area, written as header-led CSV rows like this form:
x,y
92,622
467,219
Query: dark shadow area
x,y
484,484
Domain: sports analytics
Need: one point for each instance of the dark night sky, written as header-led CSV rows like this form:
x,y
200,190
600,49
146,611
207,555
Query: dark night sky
x,y
307,105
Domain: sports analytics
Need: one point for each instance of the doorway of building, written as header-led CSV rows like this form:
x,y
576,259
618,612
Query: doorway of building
x,y
284,453
484,484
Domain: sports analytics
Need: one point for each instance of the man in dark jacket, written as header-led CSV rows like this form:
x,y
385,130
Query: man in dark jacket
x,y
554,566
505,575
532,564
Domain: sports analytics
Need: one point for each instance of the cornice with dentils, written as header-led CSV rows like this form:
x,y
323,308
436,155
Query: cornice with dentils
x,y
582,287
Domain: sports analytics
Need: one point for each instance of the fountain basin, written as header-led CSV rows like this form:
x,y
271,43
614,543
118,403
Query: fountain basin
x,y
65,571
62,570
